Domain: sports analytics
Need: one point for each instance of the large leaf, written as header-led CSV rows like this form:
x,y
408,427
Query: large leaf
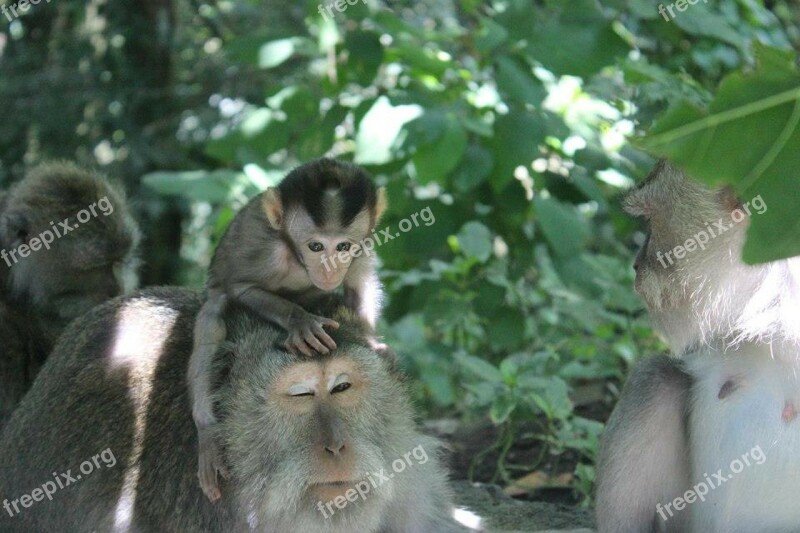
x,y
748,137
218,186
378,131
568,38
435,161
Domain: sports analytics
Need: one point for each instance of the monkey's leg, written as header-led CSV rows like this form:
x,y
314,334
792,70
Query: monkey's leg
x,y
369,311
365,299
209,333
644,453
306,331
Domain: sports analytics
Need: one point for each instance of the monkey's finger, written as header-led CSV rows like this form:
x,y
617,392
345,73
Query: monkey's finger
x,y
324,337
302,347
328,323
312,341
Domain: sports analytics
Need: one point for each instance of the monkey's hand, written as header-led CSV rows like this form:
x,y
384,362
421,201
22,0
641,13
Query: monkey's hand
x,y
210,464
307,334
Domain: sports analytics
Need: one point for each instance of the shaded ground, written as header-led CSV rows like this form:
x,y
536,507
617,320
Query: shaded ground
x,y
504,514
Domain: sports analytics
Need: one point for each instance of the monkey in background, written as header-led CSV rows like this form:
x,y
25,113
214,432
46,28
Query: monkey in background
x,y
678,453
54,267
299,432
297,238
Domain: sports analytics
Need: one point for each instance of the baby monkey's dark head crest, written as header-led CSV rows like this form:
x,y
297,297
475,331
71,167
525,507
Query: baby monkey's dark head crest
x,y
331,191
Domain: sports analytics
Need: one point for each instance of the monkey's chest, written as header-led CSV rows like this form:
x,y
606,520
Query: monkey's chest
x,y
744,433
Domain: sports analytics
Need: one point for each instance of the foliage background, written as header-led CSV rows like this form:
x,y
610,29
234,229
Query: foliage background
x,y
518,123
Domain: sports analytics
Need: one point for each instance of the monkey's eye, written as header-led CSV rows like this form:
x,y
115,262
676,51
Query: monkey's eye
x,y
315,246
297,391
341,387
343,247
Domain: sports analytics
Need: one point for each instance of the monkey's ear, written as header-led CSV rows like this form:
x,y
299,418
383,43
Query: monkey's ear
x,y
728,199
381,204
13,229
273,207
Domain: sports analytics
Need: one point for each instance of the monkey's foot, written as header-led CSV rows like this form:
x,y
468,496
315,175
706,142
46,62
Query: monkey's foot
x,y
211,465
383,350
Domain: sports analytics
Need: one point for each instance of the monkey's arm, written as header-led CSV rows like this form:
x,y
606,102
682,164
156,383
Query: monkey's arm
x,y
644,454
306,331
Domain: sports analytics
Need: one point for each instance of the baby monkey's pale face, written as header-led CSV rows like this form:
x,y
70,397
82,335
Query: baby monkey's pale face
x,y
327,251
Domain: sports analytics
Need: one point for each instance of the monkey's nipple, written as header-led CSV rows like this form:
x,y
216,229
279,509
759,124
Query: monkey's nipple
x,y
727,389
789,412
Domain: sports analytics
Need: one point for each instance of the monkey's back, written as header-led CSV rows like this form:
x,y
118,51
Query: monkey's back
x,y
118,384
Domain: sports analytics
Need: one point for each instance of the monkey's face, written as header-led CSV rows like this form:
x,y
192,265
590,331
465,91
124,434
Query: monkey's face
x,y
62,273
308,431
321,393
690,257
327,251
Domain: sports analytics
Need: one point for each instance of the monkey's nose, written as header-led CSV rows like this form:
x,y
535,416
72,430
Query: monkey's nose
x,y
335,448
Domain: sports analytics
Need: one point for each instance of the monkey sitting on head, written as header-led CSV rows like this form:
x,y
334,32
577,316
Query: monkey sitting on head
x,y
301,237
706,441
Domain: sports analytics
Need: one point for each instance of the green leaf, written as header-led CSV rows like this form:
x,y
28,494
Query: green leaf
x,y
502,407
702,22
571,39
200,185
480,368
564,228
365,56
439,385
489,36
435,161
319,138
378,131
261,133
475,240
507,330
515,79
751,133
475,167
275,53
517,136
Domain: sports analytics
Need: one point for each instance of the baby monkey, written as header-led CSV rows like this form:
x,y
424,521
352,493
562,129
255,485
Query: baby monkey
x,y
291,240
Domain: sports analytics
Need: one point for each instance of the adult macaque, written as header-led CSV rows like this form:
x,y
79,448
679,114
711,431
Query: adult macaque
x,y
67,244
299,238
708,440
313,444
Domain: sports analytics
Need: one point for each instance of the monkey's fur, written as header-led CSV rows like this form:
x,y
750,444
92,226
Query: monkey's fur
x,y
41,293
731,388
116,380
